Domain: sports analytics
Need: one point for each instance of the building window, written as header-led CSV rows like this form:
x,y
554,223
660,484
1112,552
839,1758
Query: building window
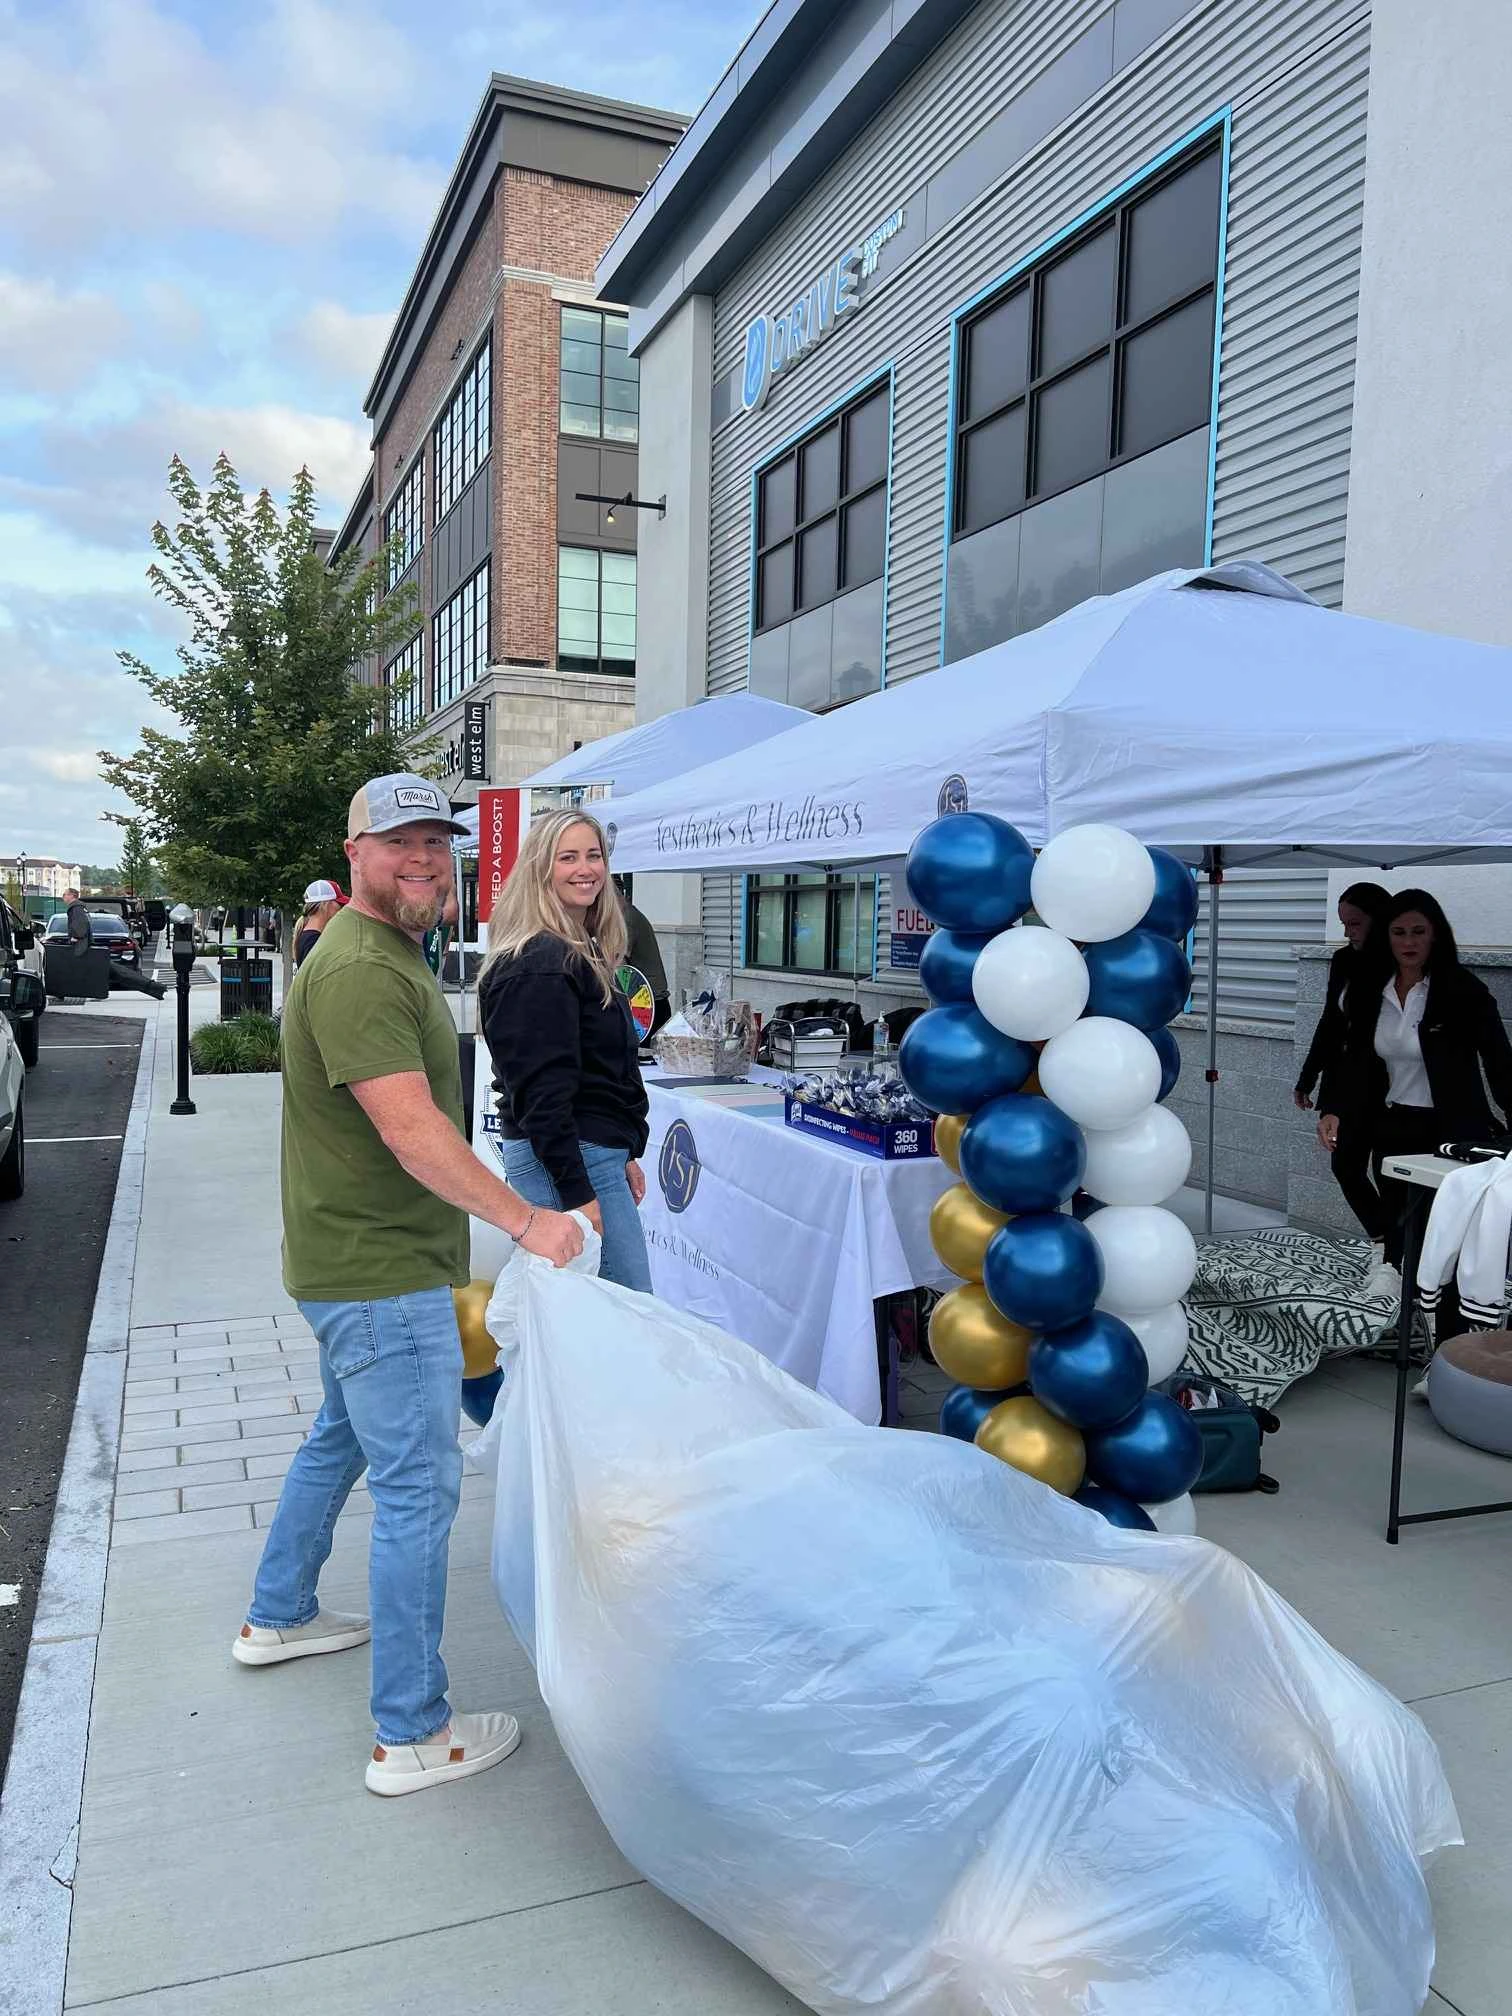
x,y
595,610
407,672
459,638
404,522
600,383
811,923
822,514
1100,353
462,433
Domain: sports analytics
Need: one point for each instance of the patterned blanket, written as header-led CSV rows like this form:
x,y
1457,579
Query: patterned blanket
x,y
1268,1307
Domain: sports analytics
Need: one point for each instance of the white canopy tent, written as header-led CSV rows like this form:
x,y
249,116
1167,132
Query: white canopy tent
x,y
1221,713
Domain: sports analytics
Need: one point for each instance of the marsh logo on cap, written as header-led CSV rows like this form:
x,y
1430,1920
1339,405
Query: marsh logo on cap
x,y
678,1167
954,796
413,795
756,377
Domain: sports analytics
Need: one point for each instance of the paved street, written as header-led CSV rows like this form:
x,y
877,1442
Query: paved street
x,y
50,1245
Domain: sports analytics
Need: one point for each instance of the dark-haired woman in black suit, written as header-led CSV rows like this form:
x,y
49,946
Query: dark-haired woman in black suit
x,y
1423,1038
1361,907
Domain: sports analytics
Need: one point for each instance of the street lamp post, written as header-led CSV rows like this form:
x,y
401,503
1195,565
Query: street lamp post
x,y
21,880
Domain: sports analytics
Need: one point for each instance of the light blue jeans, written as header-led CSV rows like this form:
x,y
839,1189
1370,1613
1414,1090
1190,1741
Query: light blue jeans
x,y
392,1373
624,1257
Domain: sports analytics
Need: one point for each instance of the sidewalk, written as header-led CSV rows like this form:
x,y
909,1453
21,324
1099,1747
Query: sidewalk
x,y
229,1859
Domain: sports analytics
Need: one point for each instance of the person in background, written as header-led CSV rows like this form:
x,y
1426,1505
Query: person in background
x,y
377,1186
321,902
439,936
1360,907
1422,1038
644,954
80,939
572,1106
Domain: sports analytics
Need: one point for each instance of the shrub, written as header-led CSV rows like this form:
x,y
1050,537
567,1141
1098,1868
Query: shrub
x,y
249,1043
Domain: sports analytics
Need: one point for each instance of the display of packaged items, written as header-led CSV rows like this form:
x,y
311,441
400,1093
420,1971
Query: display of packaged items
x,y
710,1036
807,1042
869,1111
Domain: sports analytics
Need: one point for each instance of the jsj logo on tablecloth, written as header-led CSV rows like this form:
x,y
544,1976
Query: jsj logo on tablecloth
x,y
953,795
678,1167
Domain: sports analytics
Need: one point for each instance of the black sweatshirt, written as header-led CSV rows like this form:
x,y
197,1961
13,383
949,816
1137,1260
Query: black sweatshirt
x,y
564,1065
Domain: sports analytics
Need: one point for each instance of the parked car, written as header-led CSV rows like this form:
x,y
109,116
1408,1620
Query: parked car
x,y
12,1115
109,931
22,1004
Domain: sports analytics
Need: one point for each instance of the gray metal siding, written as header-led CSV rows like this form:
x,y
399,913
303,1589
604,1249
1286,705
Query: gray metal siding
x,y
1264,914
1295,73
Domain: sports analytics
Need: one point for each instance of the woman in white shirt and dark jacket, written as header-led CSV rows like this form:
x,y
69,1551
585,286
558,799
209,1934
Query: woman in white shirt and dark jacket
x,y
1423,1038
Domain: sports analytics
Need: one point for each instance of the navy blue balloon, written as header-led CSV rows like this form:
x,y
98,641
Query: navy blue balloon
x,y
1168,1050
1115,1508
1138,978
1153,1456
947,962
479,1395
1174,910
1092,1373
967,1407
970,872
952,1059
1043,1271
1019,1153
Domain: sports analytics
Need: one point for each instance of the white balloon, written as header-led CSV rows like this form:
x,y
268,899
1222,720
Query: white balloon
x,y
1101,1073
1164,1336
1142,1163
1030,983
1149,1257
1177,1515
1093,883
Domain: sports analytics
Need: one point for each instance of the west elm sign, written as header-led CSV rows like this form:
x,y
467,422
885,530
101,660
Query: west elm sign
x,y
774,343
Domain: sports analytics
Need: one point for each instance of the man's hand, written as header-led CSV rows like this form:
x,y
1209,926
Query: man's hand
x,y
593,1212
1328,1131
1301,1101
635,1176
554,1236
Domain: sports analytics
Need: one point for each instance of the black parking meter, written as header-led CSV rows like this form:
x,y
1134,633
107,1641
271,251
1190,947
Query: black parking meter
x,y
181,917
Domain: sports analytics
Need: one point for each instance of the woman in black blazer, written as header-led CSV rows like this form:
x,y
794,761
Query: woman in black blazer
x,y
1361,907
1423,1038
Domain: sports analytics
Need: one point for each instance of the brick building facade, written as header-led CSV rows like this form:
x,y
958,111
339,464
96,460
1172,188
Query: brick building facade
x,y
504,390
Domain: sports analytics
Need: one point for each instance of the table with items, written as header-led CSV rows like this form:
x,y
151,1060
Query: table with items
x,y
788,1240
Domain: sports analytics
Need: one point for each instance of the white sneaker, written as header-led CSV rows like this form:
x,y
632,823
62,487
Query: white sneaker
x,y
327,1631
475,1743
1383,1282
1420,1391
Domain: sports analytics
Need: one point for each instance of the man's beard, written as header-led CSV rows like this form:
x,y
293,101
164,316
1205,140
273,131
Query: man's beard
x,y
407,913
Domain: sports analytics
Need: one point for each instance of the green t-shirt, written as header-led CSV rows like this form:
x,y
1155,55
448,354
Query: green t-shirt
x,y
357,1227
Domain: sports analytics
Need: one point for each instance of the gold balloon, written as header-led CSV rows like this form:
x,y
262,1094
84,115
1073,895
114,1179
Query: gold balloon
x,y
975,1343
960,1226
1027,1436
480,1354
949,1128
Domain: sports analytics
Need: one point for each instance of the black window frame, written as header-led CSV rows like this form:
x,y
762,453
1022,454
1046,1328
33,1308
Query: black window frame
x,y
608,668
406,663
461,438
459,627
1122,332
405,519
848,496
603,316
839,946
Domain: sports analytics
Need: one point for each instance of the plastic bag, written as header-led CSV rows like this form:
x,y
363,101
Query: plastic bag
x,y
921,1736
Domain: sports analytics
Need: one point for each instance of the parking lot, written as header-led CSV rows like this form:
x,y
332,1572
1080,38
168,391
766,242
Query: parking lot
x,y
51,1241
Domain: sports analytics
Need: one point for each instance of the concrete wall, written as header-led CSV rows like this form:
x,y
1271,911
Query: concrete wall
x,y
1430,494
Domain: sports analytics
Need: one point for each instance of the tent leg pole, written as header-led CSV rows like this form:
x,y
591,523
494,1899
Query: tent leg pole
x,y
856,944
1215,886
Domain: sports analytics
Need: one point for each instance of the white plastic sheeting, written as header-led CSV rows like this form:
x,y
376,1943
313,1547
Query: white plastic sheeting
x,y
1222,707
922,1737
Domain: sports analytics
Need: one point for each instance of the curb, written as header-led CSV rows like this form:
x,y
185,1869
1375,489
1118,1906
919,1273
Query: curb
x,y
44,1783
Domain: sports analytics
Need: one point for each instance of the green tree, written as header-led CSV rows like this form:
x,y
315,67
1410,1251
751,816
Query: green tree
x,y
249,804
138,872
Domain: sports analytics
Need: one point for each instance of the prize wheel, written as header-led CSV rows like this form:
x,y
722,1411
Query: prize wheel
x,y
636,989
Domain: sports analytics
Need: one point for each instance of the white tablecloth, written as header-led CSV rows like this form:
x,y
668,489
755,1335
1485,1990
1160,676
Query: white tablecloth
x,y
783,1240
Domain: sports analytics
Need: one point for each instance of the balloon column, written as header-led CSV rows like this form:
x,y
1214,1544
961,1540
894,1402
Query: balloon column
x,y
1046,1057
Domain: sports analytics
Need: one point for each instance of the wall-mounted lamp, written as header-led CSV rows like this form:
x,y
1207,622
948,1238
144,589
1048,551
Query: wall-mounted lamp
x,y
628,502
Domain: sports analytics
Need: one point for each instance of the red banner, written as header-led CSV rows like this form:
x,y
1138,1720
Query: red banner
x,y
501,820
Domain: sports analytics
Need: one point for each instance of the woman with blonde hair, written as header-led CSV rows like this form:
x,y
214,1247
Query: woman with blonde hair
x,y
322,900
572,1108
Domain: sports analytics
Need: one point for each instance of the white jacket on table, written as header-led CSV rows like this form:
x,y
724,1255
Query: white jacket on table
x,y
1469,1232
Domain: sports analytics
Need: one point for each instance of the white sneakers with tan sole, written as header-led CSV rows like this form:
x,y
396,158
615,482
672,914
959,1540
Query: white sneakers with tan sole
x,y
327,1631
474,1743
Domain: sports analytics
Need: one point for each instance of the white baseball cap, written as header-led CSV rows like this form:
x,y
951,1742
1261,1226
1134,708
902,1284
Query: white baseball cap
x,y
322,892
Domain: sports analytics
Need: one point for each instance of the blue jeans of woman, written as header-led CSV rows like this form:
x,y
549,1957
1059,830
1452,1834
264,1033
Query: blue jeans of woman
x,y
624,1257
392,1374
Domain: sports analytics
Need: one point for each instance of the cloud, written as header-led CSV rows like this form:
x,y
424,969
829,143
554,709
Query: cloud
x,y
343,343
68,766
51,340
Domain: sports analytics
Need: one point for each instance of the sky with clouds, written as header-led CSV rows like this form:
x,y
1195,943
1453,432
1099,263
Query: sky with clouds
x,y
208,215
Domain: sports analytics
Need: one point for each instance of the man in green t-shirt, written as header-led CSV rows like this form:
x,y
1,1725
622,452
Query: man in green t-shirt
x,y
378,1182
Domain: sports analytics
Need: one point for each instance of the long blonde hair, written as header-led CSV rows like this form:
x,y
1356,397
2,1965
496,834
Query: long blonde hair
x,y
530,905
